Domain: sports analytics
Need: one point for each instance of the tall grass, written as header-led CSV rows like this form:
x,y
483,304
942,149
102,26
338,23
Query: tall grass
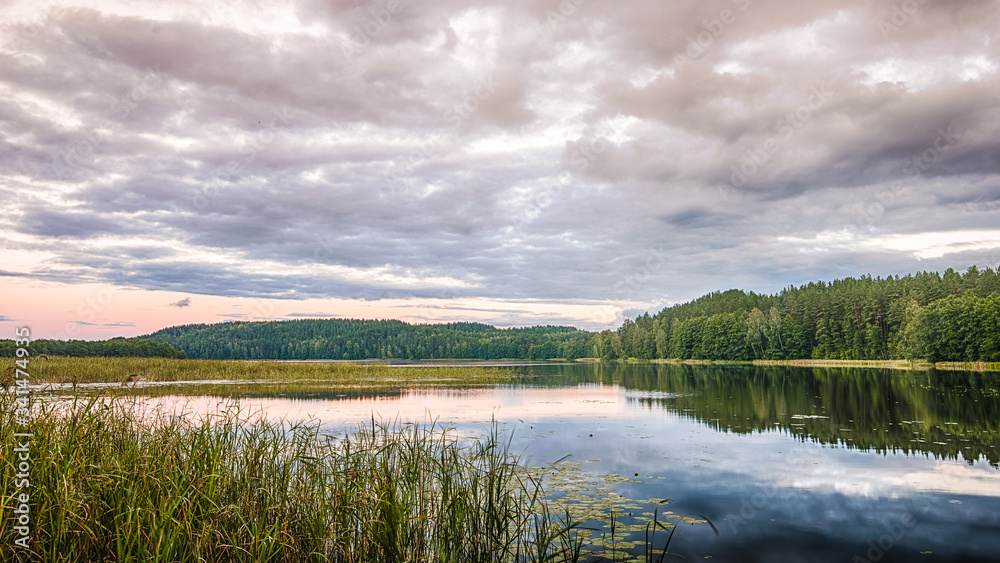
x,y
968,366
115,370
110,483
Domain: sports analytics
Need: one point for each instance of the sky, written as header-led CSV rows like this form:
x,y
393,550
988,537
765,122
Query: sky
x,y
517,163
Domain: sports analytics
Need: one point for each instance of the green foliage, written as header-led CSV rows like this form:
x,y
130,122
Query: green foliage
x,y
114,348
351,339
950,317
965,328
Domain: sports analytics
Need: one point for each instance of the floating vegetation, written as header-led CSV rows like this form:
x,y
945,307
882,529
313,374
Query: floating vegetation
x,y
607,524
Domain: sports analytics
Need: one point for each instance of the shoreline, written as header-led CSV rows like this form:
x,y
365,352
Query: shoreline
x,y
869,364
72,371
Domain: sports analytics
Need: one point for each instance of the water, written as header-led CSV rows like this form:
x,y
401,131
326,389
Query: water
x,y
790,464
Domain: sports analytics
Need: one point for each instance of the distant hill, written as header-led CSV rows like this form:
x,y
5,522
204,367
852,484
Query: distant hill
x,y
351,339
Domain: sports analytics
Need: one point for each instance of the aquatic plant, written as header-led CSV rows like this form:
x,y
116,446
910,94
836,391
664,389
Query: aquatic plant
x,y
63,370
111,482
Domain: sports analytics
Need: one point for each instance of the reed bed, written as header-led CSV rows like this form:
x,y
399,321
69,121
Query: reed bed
x,y
111,483
968,366
906,365
116,370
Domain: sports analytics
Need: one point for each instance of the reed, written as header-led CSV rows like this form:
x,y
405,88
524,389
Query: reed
x,y
116,370
111,483
968,366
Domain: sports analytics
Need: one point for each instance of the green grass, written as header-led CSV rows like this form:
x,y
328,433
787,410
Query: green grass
x,y
917,365
968,366
110,484
115,370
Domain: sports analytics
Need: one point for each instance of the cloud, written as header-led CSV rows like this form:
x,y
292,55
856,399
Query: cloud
x,y
5,319
621,154
182,303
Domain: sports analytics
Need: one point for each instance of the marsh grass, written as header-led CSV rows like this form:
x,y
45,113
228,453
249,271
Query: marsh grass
x,y
116,370
968,366
903,365
110,483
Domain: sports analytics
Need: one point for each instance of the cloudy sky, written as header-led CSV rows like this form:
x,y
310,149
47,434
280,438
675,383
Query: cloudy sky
x,y
518,162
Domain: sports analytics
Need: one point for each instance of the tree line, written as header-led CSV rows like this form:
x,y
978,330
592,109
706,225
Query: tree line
x,y
352,339
929,316
949,317
116,347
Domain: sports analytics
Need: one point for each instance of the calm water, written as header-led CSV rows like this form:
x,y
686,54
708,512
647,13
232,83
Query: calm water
x,y
791,464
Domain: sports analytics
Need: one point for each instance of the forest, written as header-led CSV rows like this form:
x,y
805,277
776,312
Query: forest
x,y
116,348
926,316
350,339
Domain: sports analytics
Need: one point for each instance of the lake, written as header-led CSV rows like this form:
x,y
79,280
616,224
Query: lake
x,y
790,464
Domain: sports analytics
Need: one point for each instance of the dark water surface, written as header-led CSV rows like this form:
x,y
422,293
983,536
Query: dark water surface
x,y
791,464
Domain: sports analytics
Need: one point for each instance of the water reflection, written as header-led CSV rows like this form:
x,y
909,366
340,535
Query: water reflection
x,y
792,464
948,415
